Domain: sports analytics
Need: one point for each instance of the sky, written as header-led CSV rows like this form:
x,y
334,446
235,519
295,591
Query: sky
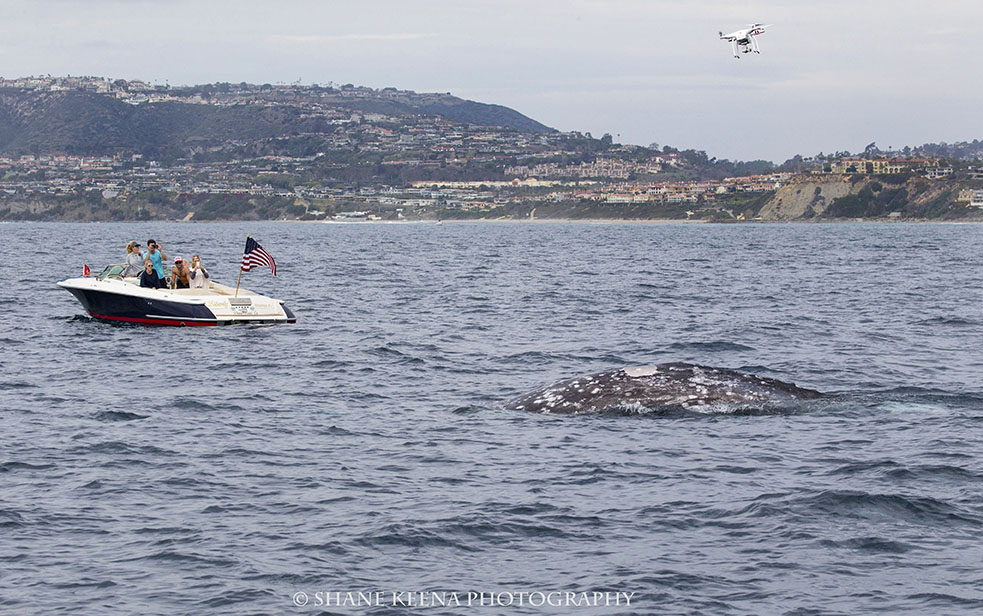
x,y
833,74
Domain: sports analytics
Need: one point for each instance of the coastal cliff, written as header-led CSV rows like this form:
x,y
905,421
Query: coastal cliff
x,y
903,196
806,198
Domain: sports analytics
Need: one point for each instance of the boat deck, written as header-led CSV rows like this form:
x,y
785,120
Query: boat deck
x,y
214,289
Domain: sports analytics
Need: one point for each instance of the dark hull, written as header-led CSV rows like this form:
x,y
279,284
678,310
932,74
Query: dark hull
x,y
115,299
130,309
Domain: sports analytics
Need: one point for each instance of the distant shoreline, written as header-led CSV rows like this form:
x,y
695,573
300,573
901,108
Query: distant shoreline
x,y
593,221
602,221
513,220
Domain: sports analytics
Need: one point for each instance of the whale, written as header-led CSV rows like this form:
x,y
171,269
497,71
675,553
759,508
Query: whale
x,y
671,385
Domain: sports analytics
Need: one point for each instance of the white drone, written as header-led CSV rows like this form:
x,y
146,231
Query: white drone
x,y
745,39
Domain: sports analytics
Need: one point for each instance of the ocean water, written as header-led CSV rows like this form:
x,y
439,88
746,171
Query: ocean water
x,y
252,470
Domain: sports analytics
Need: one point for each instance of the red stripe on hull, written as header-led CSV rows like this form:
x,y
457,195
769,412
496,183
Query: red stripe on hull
x,y
174,322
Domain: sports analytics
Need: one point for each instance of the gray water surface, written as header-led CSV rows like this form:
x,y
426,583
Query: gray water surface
x,y
365,448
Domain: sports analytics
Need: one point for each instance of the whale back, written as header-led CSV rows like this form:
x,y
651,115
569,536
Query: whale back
x,y
665,385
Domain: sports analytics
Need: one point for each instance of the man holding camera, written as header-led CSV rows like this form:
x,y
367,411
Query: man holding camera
x,y
156,258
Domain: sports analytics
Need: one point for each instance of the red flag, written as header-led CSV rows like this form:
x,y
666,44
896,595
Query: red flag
x,y
85,270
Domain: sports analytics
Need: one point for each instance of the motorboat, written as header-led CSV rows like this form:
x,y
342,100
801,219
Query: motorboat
x,y
110,296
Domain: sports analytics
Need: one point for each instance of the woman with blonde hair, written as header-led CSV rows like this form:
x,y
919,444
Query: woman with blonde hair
x,y
134,260
199,275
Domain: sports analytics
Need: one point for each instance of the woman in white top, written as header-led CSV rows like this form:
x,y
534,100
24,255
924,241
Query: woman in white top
x,y
134,260
199,275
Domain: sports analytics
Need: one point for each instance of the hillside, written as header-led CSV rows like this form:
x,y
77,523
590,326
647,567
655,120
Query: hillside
x,y
89,148
81,122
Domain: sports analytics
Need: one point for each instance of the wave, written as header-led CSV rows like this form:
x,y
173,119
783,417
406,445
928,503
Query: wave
x,y
140,452
198,405
892,470
188,558
861,505
948,321
713,346
930,396
940,600
467,532
118,416
400,358
7,467
874,545
84,583
11,519
17,385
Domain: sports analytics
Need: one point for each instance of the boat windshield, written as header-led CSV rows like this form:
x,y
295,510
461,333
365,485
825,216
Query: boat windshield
x,y
112,270
116,271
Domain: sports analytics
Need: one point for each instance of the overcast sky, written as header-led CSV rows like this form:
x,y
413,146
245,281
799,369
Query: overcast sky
x,y
833,74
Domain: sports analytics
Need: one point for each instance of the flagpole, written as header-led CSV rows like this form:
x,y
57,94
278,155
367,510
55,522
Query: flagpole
x,y
240,273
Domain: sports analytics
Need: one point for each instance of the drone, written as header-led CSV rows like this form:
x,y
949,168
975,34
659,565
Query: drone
x,y
745,39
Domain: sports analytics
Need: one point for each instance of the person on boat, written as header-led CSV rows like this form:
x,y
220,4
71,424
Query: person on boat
x,y
134,260
149,278
157,257
199,275
180,275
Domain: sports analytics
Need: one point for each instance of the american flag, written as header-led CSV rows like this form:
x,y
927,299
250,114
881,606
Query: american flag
x,y
256,256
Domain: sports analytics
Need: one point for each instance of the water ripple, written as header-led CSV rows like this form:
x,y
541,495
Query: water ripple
x,y
177,471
